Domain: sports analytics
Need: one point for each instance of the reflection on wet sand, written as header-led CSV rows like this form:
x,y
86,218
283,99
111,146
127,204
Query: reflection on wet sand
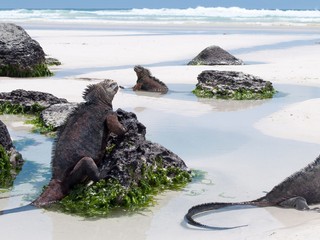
x,y
221,105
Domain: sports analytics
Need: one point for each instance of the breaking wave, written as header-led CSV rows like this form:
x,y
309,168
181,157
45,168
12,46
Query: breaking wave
x,y
165,16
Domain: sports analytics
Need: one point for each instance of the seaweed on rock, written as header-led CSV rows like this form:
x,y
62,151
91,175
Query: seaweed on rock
x,y
6,179
232,85
101,198
40,70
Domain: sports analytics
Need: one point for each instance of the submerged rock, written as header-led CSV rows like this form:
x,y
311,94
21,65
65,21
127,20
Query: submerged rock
x,y
215,55
20,55
232,85
10,159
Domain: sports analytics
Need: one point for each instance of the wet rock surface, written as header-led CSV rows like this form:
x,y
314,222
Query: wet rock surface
x,y
28,99
233,85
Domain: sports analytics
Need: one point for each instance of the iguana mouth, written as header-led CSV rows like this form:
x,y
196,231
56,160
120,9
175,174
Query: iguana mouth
x,y
114,86
109,85
137,68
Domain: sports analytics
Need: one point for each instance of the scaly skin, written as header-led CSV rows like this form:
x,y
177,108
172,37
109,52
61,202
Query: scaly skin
x,y
297,191
81,142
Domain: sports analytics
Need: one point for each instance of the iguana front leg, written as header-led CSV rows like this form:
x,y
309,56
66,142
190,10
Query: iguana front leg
x,y
114,125
138,85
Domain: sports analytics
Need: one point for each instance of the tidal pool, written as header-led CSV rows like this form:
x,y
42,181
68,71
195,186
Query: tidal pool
x,y
215,136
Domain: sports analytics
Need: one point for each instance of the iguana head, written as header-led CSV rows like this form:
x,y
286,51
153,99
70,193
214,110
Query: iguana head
x,y
138,68
101,92
141,71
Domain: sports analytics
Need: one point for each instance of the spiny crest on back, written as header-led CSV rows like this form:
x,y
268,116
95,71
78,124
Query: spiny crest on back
x,y
312,167
313,164
94,93
88,93
61,129
101,92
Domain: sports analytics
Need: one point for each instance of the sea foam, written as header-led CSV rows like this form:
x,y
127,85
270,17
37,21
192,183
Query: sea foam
x,y
165,16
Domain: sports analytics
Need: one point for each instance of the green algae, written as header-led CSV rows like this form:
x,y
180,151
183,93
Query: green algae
x,y
39,70
6,179
106,196
12,108
241,94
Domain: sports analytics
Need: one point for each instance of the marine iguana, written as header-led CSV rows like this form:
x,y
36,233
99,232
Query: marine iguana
x,y
81,142
297,191
147,82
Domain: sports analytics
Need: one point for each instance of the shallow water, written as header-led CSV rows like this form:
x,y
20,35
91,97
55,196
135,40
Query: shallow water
x,y
216,136
222,128
211,127
36,151
241,163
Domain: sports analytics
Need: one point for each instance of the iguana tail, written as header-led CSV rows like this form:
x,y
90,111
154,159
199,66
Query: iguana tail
x,y
195,210
53,193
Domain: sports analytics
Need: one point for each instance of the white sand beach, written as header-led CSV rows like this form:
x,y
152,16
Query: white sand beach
x,y
245,148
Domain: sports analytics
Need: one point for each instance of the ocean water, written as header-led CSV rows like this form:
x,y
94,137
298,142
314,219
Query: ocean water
x,y
199,15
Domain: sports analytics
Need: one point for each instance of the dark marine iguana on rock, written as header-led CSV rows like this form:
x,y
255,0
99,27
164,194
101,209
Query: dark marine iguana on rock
x,y
147,82
297,191
81,142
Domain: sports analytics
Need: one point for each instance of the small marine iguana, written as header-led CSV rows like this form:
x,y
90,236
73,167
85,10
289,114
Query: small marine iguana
x,y
297,191
147,82
81,142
